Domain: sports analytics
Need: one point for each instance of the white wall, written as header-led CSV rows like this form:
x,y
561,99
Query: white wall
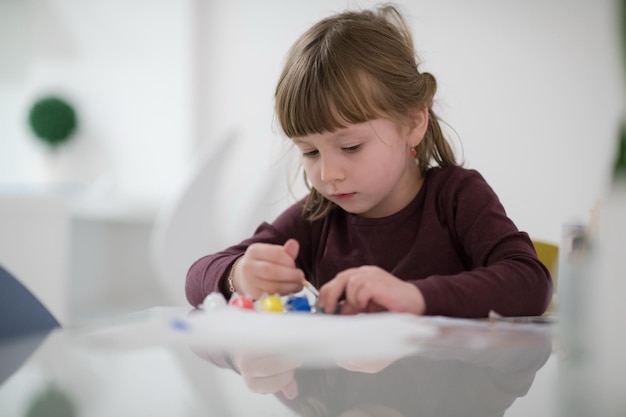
x,y
124,65
533,90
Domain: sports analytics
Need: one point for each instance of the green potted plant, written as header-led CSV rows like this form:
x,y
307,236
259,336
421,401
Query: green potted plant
x,y
52,120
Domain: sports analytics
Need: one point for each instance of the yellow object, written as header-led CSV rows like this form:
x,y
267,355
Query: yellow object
x,y
271,304
548,254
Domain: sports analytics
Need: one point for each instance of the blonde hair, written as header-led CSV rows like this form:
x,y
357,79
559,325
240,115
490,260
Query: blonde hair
x,y
354,67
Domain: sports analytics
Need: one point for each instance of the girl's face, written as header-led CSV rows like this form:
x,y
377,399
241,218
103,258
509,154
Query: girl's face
x,y
364,168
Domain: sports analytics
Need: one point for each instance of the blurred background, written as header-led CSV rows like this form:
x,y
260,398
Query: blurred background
x,y
176,152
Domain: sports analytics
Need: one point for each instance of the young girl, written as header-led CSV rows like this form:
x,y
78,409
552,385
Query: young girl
x,y
392,222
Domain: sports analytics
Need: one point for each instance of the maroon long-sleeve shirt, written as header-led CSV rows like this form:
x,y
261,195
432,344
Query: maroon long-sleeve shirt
x,y
454,241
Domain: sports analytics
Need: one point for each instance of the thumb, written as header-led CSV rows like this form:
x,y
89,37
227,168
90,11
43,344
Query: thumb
x,y
292,247
290,390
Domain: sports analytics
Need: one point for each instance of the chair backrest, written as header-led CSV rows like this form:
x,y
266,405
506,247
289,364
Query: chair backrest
x,y
204,216
548,254
183,230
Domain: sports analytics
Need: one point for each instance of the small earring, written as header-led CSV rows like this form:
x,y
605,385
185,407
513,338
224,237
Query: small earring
x,y
412,152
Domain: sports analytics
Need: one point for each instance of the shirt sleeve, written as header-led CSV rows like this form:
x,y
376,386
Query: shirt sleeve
x,y
207,273
503,271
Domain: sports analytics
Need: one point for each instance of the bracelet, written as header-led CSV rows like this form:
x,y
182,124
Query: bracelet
x,y
231,285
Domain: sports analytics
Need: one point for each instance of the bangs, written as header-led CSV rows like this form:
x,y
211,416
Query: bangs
x,y
327,97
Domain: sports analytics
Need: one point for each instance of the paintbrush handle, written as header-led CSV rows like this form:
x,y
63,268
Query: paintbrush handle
x,y
311,288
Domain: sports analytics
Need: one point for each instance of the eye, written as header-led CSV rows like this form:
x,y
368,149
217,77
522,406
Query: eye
x,y
351,149
310,154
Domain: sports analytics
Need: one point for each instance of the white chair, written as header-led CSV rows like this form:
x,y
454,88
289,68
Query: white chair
x,y
205,216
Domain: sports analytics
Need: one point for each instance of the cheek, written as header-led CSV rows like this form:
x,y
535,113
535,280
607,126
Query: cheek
x,y
310,169
385,169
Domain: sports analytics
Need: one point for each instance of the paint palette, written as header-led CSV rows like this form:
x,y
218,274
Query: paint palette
x,y
268,303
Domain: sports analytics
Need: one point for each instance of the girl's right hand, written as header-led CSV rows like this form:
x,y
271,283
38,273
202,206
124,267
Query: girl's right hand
x,y
268,269
267,374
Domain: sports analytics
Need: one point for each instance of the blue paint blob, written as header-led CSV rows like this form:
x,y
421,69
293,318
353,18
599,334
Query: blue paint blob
x,y
179,325
298,303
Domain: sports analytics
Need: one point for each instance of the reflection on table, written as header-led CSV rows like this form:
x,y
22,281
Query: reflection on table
x,y
173,362
468,369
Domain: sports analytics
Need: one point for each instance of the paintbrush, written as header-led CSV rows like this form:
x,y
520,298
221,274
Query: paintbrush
x,y
310,287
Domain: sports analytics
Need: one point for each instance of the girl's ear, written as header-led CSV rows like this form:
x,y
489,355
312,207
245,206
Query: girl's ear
x,y
419,124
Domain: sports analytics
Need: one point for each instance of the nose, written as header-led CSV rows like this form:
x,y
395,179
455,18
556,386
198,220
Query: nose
x,y
331,169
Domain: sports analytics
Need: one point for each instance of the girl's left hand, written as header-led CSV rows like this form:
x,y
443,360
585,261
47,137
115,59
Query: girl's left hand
x,y
370,289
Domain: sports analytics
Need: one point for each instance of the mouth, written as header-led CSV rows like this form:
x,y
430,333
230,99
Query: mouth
x,y
343,196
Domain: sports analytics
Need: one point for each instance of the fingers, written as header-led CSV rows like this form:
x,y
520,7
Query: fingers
x,y
347,308
292,247
269,268
266,278
354,285
270,272
358,293
268,374
370,289
290,391
361,289
284,382
332,292
260,366
275,254
369,366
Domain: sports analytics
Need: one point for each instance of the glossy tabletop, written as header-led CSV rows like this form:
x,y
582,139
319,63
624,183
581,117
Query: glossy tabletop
x,y
181,362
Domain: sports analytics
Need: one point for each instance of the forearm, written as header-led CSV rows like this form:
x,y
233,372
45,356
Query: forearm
x,y
207,275
520,287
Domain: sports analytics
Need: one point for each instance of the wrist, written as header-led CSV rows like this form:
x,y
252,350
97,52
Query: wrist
x,y
418,304
421,306
230,279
